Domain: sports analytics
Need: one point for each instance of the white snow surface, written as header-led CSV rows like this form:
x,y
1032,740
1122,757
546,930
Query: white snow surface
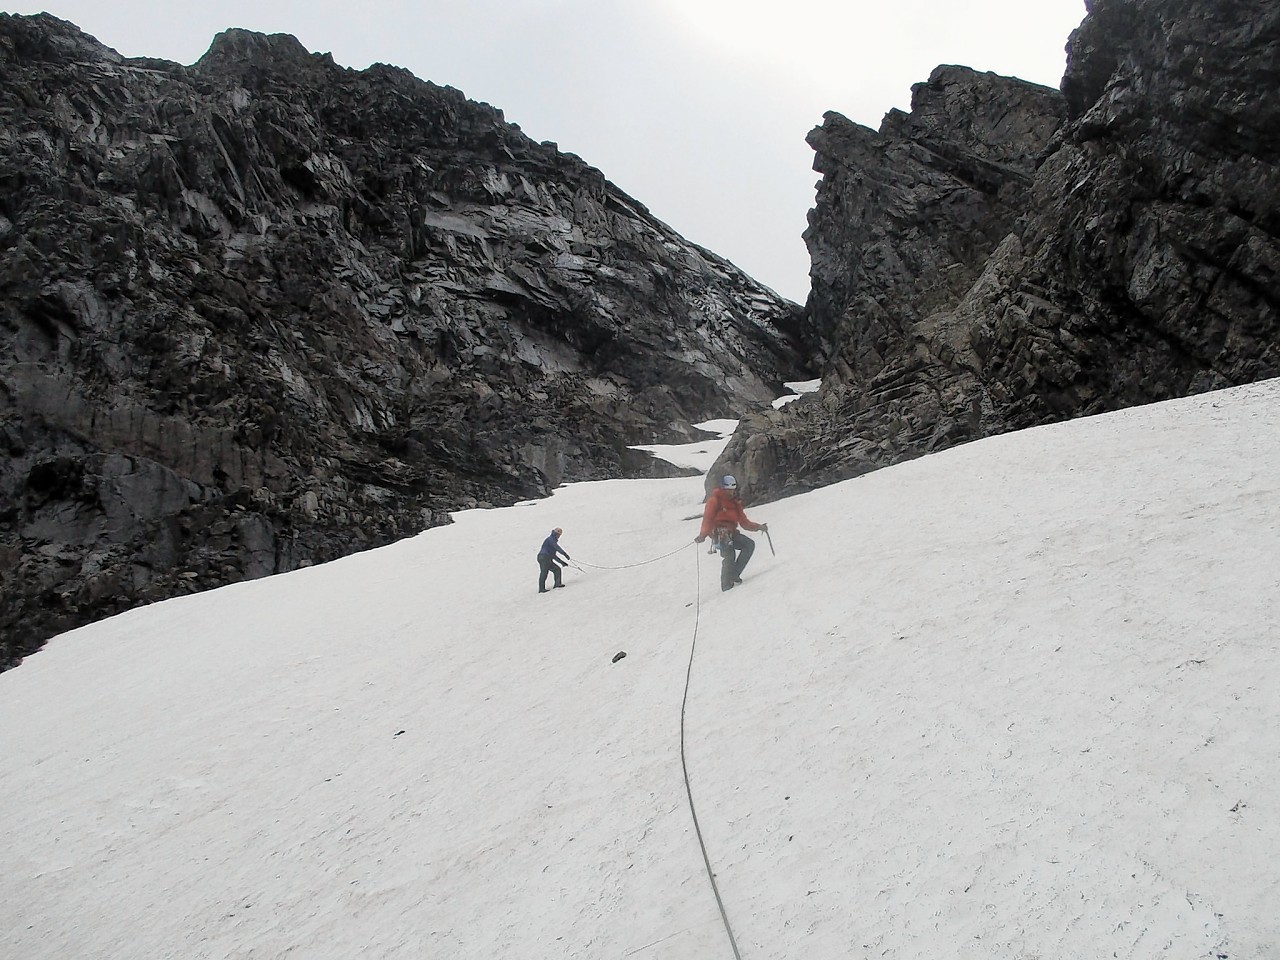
x,y
1017,699
798,388
697,456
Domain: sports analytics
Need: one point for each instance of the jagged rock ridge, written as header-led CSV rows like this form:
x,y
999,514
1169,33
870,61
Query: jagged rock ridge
x,y
264,311
1130,257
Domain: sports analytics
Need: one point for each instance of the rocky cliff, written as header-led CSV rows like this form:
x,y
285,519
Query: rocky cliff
x,y
1006,256
264,311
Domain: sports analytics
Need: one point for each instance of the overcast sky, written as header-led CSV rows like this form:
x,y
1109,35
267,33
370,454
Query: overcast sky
x,y
697,108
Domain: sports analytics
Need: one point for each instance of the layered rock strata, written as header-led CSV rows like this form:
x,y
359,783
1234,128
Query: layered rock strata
x,y
1132,256
264,311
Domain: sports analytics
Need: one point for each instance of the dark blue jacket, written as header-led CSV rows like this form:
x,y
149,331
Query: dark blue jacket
x,y
550,547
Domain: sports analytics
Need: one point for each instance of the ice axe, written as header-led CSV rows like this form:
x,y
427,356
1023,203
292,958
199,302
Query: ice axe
x,y
765,528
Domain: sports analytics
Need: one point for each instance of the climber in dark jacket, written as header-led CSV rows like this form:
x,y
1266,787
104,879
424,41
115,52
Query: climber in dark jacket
x,y
547,560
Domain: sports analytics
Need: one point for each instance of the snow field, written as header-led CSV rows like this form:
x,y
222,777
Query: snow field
x,y
1017,699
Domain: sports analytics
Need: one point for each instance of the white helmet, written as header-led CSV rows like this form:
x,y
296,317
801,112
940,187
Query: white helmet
x,y
729,482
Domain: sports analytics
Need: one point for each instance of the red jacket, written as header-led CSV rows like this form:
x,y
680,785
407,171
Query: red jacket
x,y
724,509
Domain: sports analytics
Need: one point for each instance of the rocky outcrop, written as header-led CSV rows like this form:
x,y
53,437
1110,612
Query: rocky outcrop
x,y
1144,264
264,311
906,217
905,221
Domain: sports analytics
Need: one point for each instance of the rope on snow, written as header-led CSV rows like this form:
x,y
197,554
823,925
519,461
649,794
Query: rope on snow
x,y
684,703
684,764
641,563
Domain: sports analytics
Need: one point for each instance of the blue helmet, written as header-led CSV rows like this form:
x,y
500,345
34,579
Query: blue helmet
x,y
729,482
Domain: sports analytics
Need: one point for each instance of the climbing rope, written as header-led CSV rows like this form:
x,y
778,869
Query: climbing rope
x,y
684,764
640,563
684,703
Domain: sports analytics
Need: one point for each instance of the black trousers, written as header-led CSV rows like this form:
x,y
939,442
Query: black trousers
x,y
735,552
547,565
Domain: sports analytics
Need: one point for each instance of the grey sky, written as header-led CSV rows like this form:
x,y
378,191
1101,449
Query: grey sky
x,y
697,108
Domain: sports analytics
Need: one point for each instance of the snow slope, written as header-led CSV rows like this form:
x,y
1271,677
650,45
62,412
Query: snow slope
x,y
1018,699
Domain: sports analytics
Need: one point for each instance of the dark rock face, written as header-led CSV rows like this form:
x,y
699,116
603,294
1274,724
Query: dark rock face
x,y
905,221
1155,236
265,311
906,218
1140,262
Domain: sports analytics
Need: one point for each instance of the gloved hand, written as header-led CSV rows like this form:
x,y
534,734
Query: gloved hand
x,y
764,526
698,539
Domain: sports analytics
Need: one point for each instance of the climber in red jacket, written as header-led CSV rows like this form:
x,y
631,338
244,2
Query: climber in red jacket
x,y
720,521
